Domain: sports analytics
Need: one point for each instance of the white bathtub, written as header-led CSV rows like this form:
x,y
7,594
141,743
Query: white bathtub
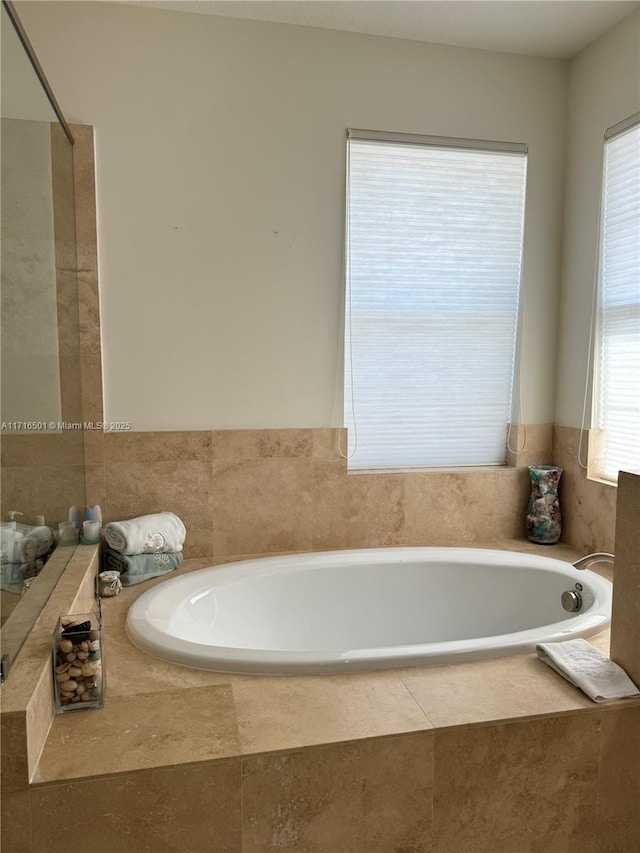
x,y
350,611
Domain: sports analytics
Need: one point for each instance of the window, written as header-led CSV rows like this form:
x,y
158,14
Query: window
x,y
617,371
433,261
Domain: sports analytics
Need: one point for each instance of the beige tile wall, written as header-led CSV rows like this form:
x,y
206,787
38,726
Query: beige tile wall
x,y
527,786
619,782
267,491
563,784
588,506
42,474
625,622
66,283
87,268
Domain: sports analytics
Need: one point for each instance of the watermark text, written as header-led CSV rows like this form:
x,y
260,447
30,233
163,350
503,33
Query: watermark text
x,y
62,426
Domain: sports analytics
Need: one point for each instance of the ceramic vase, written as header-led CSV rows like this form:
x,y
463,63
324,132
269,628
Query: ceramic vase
x,y
544,519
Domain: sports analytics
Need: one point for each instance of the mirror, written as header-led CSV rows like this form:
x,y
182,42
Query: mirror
x,y
42,453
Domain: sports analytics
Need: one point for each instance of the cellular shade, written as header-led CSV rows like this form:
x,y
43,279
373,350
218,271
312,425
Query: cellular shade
x,y
433,265
618,367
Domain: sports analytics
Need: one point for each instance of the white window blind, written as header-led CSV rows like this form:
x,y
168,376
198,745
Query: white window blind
x,y
433,263
617,396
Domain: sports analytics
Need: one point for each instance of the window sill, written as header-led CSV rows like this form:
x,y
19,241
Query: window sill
x,y
469,469
595,479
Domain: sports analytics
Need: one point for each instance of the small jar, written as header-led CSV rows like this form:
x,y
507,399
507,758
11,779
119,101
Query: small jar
x,y
78,664
109,584
68,533
90,533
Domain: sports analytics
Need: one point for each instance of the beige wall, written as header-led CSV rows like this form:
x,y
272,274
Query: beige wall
x,y
604,87
221,193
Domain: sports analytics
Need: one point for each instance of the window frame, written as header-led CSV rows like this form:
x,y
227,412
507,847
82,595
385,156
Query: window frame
x,y
596,465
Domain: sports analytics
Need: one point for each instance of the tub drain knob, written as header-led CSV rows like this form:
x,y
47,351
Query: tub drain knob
x,y
571,601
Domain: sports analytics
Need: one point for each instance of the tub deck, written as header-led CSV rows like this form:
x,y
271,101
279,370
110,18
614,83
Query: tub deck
x,y
500,755
161,714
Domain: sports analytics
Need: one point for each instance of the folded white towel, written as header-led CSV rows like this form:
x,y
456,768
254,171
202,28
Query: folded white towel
x,y
587,668
161,533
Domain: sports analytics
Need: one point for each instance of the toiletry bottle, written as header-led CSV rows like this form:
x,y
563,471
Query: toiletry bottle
x,y
7,543
15,549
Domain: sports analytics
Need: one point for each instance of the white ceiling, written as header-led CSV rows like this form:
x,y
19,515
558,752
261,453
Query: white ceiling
x,y
552,28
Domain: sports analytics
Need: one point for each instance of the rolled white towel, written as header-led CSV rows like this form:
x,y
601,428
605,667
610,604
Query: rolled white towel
x,y
587,668
161,533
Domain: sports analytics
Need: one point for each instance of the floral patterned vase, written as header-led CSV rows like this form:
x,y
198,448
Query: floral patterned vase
x,y
544,520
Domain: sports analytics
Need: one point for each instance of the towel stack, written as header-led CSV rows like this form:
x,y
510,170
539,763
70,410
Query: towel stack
x,y
144,547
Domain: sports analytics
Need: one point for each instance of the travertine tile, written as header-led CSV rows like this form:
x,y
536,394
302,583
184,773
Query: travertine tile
x,y
62,180
142,731
92,389
602,642
629,497
287,713
67,306
84,174
187,809
86,236
532,445
491,690
182,487
95,485
528,787
40,713
367,797
57,487
15,821
89,303
625,612
262,506
70,389
355,510
37,449
330,443
154,447
13,738
447,508
93,446
588,506
241,445
619,781
87,274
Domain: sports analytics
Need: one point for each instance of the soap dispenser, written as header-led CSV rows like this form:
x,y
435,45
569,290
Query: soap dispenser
x,y
12,539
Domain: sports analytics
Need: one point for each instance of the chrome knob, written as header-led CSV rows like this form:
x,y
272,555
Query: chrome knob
x,y
571,601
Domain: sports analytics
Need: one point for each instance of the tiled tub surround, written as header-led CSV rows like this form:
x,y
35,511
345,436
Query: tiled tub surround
x,y
27,696
588,505
388,762
270,491
625,627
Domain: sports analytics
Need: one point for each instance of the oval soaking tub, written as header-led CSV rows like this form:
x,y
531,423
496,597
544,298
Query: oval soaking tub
x,y
339,611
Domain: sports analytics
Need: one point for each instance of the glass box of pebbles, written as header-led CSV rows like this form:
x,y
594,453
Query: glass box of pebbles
x,y
78,665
